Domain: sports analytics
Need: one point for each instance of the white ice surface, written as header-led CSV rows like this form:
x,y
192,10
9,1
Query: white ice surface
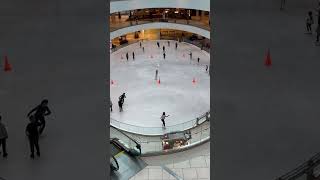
x,y
176,94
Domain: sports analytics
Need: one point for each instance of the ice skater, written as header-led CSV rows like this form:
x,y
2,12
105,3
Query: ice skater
x,y
163,117
143,49
282,4
164,55
121,98
309,22
133,55
206,68
3,138
176,45
158,44
110,105
140,44
168,43
164,49
41,111
190,55
156,77
318,34
120,103
127,56
33,135
198,60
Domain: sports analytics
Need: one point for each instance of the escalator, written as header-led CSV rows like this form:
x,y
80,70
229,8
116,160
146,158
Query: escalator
x,y
125,154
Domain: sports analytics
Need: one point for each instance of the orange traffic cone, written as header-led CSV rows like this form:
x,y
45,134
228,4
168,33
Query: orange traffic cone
x,y
268,61
7,65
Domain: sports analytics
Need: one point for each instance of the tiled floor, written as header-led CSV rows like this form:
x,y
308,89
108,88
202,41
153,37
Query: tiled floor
x,y
197,167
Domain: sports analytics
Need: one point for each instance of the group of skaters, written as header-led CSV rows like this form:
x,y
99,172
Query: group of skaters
x,y
120,102
33,129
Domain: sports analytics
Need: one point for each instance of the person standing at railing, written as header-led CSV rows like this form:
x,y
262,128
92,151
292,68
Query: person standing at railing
x,y
163,117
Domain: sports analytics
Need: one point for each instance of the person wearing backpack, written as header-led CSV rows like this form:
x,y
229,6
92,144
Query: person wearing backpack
x,y
3,138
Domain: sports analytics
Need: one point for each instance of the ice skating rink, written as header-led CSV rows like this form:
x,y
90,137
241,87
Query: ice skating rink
x,y
177,94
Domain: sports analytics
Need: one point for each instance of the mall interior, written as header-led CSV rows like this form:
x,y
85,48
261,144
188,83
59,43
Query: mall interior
x,y
187,58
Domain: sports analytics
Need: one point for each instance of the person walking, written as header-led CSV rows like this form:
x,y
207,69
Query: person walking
x,y
3,138
127,56
41,111
133,55
309,22
33,135
163,117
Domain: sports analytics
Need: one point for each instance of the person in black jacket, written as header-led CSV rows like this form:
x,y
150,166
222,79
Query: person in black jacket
x,y
41,111
33,135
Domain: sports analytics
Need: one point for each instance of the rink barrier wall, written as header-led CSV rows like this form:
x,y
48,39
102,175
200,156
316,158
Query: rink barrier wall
x,y
160,25
194,43
124,24
158,131
126,5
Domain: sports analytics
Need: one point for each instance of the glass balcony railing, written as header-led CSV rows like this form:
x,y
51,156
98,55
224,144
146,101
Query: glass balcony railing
x,y
160,130
153,145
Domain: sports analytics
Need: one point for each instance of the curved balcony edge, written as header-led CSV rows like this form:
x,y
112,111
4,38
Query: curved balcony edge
x,y
160,25
126,5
